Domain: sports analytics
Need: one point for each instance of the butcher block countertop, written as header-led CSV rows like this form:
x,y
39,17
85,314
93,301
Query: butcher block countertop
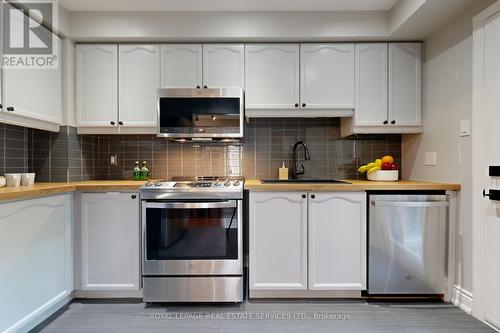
x,y
44,189
356,185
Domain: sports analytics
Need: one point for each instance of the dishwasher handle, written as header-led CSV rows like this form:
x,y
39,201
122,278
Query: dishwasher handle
x,y
416,204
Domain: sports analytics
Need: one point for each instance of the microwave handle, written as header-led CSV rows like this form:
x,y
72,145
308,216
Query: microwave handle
x,y
192,205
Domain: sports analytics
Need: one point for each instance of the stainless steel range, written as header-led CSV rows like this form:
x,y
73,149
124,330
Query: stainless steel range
x,y
192,248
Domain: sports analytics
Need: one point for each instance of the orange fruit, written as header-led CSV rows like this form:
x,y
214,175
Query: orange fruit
x,y
387,159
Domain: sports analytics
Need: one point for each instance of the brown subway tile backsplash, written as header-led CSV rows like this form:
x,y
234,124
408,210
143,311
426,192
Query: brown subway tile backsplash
x,y
268,143
66,156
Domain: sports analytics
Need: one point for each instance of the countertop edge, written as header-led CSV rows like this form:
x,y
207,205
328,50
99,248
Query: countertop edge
x,y
45,189
356,185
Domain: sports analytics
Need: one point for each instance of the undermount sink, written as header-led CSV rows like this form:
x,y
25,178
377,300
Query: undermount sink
x,y
315,181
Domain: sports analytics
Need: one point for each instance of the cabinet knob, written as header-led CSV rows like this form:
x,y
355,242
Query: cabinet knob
x,y
1,106
205,87
303,105
112,123
296,105
197,87
10,108
120,123
133,196
386,122
304,196
393,122
313,196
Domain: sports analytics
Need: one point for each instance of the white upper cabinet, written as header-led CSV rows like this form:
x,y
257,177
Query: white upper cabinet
x,y
34,94
33,97
371,84
1,66
97,85
223,65
388,89
405,84
272,76
327,76
181,65
139,78
278,241
110,241
337,241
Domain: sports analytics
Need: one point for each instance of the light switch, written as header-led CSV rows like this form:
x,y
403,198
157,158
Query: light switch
x,y
465,127
431,158
114,160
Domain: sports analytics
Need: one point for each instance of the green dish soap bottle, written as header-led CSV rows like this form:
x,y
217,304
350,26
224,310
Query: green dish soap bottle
x,y
144,171
137,171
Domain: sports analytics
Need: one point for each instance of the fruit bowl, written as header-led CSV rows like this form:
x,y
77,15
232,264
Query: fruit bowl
x,y
384,176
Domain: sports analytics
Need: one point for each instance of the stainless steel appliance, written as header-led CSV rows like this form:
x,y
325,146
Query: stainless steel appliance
x,y
192,247
201,114
407,244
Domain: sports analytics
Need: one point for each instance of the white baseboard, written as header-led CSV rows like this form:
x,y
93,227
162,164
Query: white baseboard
x,y
462,298
40,314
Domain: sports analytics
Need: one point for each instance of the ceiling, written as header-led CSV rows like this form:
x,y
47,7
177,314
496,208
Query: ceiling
x,y
228,5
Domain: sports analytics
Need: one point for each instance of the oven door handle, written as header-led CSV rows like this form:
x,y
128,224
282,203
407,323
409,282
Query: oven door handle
x,y
192,205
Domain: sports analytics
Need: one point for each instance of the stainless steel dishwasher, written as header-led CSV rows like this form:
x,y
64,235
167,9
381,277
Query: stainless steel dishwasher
x,y
407,247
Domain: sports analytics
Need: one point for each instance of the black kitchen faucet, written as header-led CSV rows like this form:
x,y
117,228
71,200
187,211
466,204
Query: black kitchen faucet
x,y
307,157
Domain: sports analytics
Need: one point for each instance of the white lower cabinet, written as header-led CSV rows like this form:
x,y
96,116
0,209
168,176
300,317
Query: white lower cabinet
x,y
36,255
109,228
337,241
307,244
278,241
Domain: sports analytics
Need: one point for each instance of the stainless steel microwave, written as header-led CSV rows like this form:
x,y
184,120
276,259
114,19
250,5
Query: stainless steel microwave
x,y
201,113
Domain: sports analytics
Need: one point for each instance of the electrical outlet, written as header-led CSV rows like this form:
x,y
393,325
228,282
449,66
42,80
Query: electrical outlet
x,y
431,158
465,127
114,160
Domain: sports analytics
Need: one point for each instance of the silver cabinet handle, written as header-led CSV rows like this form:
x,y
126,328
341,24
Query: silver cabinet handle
x,y
416,204
192,205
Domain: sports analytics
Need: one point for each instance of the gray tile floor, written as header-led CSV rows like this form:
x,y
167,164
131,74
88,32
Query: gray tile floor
x,y
262,317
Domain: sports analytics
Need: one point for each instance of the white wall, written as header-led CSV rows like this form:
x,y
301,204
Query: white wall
x,y
447,99
226,26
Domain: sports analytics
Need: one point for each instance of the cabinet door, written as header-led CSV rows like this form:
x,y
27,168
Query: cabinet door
x,y
371,85
36,251
278,241
181,65
1,66
272,76
327,76
110,241
224,65
405,84
337,241
139,78
96,85
34,93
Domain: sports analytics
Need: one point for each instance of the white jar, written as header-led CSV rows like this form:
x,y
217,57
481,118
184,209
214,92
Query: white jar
x,y
27,179
13,179
3,181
